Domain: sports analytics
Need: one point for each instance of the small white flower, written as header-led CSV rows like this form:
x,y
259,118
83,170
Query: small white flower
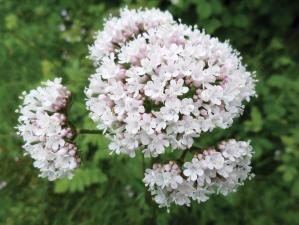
x,y
193,169
155,89
148,124
156,146
170,111
108,68
176,88
213,94
133,123
215,160
187,106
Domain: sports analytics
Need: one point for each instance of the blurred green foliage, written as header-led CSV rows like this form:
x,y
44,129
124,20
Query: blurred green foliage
x,y
43,39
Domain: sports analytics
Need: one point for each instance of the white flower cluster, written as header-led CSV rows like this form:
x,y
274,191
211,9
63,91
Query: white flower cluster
x,y
160,83
119,30
43,126
213,171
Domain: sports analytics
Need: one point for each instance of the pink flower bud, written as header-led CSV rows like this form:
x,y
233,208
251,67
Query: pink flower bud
x,y
122,73
196,83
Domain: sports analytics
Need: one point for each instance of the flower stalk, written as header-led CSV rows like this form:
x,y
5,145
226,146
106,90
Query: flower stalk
x,y
88,131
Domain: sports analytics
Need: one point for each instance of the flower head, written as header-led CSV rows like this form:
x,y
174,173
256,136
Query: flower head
x,y
212,172
163,83
45,131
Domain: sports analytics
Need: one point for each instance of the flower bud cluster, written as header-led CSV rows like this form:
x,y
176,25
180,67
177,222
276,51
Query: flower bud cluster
x,y
44,128
118,30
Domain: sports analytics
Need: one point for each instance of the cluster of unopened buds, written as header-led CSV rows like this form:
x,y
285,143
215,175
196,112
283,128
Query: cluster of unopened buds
x,y
158,85
44,128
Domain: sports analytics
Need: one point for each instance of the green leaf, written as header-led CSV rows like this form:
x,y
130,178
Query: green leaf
x,y
289,174
47,68
11,21
212,25
161,219
256,122
83,178
61,186
295,188
261,145
217,6
283,60
276,44
204,9
241,21
277,80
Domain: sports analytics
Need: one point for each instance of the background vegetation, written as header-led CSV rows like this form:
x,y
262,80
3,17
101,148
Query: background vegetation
x,y
43,39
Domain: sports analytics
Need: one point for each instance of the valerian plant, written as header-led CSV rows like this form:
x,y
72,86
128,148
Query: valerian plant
x,y
158,84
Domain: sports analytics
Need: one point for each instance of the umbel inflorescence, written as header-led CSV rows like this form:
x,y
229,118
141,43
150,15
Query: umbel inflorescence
x,y
158,85
209,172
44,128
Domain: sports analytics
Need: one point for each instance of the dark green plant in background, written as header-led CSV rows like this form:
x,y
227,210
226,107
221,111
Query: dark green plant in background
x,y
42,40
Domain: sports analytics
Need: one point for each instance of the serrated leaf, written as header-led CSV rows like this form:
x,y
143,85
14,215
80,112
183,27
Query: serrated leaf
x,y
83,178
61,186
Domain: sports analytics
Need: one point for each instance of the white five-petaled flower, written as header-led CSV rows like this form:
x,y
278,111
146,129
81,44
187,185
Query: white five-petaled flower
x,y
176,88
193,169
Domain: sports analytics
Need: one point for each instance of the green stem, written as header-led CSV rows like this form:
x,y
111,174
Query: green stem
x,y
87,131
185,152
